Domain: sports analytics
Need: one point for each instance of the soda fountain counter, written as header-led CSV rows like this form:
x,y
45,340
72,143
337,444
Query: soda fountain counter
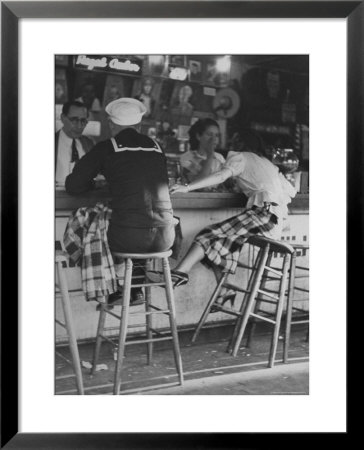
x,y
195,211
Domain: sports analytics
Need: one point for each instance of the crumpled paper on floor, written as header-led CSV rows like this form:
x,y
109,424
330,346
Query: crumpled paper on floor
x,y
88,365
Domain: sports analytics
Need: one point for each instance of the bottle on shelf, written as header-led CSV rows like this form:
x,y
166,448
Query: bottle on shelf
x,y
285,159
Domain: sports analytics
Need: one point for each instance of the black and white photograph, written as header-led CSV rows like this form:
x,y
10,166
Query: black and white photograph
x,y
182,225
182,205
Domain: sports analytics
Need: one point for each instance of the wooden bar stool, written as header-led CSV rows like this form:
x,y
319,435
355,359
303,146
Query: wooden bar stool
x,y
150,309
255,294
68,321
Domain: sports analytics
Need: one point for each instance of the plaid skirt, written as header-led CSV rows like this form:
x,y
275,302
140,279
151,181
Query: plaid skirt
x,y
223,241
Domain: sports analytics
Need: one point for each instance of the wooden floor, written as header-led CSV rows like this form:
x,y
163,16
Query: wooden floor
x,y
207,358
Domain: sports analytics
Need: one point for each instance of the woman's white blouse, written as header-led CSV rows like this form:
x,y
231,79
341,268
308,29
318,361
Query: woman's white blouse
x,y
260,181
192,160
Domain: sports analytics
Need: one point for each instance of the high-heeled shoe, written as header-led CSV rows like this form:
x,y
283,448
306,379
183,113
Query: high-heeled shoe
x,y
220,302
230,297
136,298
178,278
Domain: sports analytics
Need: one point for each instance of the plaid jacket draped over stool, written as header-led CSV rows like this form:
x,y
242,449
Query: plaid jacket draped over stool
x,y
85,240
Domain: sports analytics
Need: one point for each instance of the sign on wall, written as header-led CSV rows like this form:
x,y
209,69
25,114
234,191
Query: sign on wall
x,y
108,64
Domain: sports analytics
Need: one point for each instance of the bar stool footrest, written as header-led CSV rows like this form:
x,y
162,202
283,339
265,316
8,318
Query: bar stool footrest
x,y
265,319
63,357
62,324
297,322
301,289
234,287
145,341
268,294
270,278
157,332
278,272
159,283
300,310
225,310
159,310
107,339
303,268
264,300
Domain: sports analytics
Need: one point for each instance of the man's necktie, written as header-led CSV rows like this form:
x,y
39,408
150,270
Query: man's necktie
x,y
74,157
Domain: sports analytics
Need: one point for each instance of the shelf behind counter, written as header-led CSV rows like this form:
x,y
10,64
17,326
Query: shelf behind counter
x,y
192,200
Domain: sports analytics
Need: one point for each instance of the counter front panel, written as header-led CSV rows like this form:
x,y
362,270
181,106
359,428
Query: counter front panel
x,y
195,210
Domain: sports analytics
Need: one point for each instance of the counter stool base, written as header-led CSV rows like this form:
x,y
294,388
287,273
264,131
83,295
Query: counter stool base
x,y
150,309
255,294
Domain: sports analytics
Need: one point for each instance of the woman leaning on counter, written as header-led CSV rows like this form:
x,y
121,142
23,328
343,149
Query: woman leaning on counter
x,y
268,192
202,160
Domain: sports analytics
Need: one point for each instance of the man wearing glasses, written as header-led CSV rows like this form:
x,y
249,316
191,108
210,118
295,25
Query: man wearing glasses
x,y
71,145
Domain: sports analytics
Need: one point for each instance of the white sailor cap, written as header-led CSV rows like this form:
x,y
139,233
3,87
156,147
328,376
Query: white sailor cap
x,y
126,111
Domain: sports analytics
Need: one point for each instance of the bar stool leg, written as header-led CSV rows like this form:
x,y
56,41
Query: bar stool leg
x,y
172,317
256,308
282,293
251,298
207,310
100,330
287,334
244,302
148,320
123,324
70,327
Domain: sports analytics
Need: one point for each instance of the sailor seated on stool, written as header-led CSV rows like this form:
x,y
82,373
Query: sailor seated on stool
x,y
134,166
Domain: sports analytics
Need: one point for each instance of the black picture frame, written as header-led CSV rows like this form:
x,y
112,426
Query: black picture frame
x,y
11,13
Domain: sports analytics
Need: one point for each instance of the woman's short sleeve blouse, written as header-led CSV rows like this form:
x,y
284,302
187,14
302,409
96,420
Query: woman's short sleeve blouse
x,y
236,163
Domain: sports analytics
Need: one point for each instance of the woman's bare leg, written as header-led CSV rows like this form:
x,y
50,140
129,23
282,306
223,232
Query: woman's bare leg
x,y
194,254
217,272
225,293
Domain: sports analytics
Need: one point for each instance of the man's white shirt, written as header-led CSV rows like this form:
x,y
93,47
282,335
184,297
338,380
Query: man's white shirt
x,y
64,166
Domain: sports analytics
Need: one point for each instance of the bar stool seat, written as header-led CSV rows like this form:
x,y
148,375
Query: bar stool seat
x,y
68,323
255,294
128,282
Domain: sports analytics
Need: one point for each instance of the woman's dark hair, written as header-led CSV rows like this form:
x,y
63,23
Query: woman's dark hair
x,y
198,128
249,141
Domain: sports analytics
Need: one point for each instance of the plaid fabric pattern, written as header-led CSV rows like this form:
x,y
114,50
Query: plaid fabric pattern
x,y
223,241
85,240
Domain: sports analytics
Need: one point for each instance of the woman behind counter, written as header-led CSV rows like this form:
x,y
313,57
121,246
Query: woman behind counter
x,y
202,160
